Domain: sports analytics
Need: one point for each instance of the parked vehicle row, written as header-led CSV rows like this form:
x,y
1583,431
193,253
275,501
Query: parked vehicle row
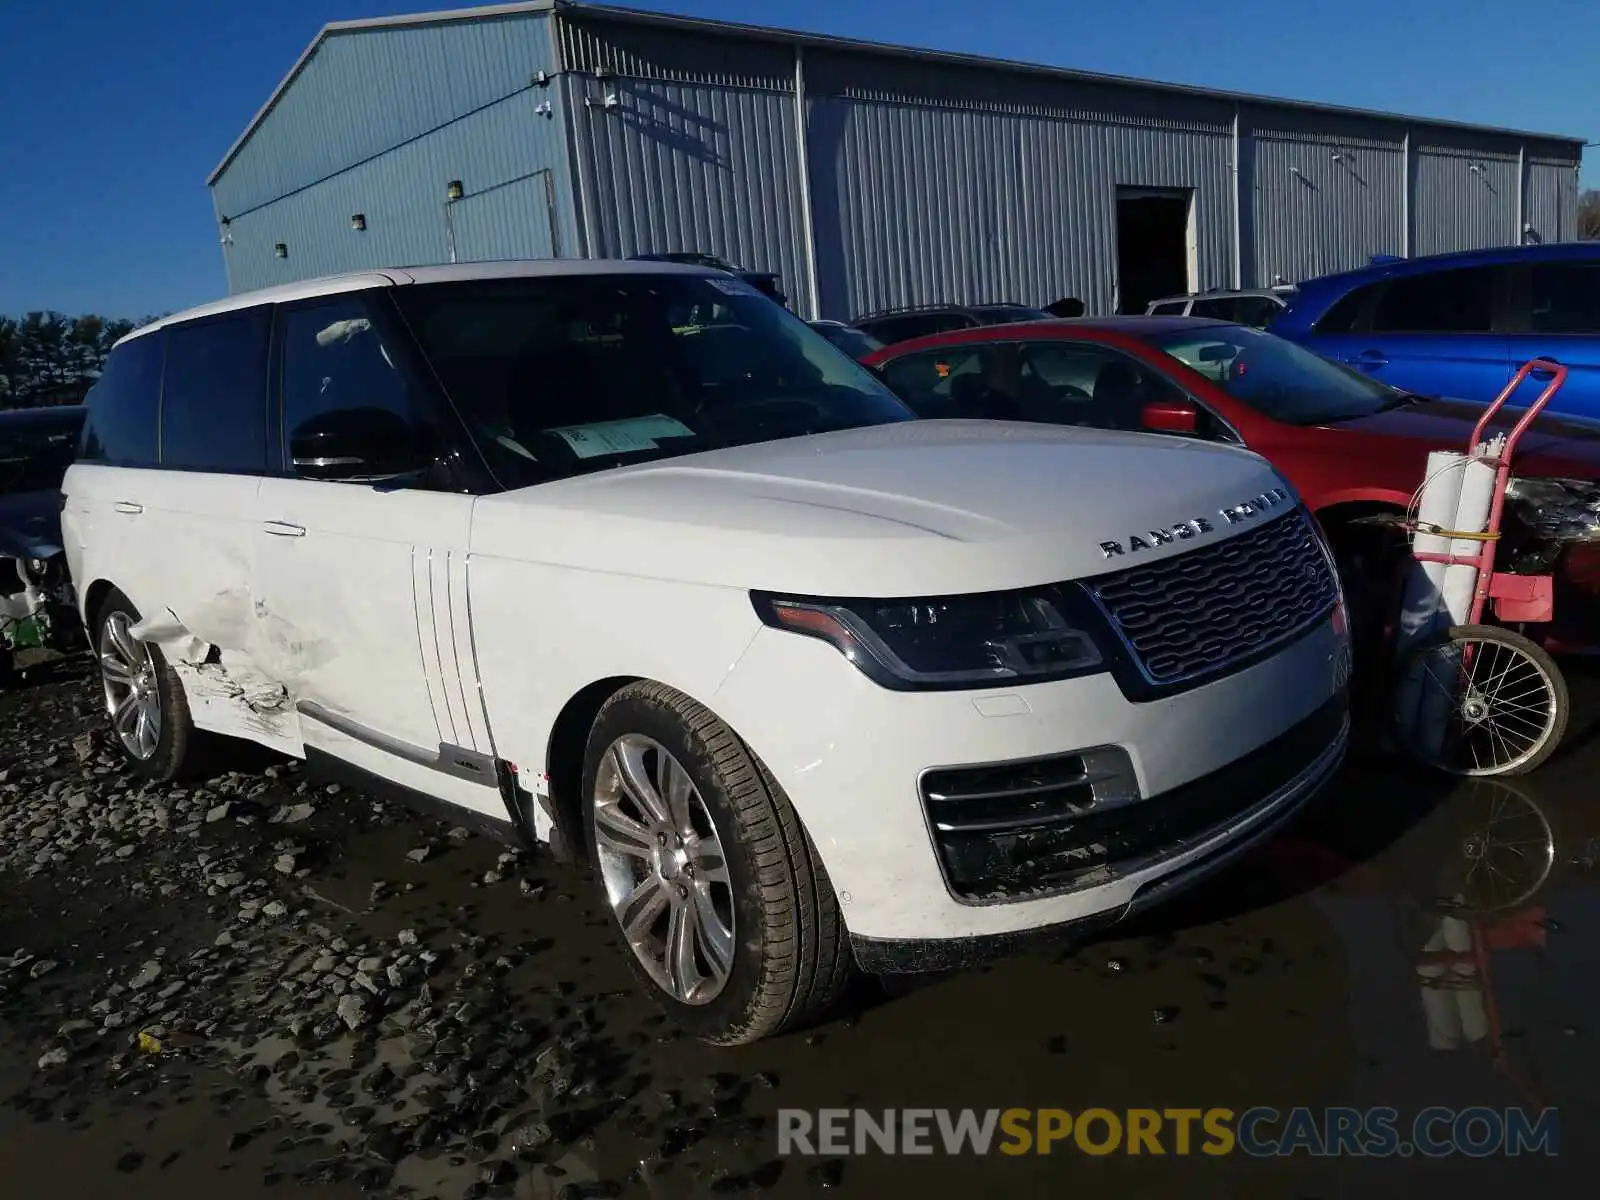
x,y
1353,448
625,560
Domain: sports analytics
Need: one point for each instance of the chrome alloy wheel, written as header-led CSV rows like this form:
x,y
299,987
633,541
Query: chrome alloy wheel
x,y
128,676
663,869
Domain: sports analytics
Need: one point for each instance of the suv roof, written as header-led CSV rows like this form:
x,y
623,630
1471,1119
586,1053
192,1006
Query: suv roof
x,y
1278,292
1490,256
355,281
917,310
1314,298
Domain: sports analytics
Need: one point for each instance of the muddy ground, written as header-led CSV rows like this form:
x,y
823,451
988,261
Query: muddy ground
x,y
267,986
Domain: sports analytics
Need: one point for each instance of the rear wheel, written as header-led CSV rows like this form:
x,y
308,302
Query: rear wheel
x,y
721,903
144,698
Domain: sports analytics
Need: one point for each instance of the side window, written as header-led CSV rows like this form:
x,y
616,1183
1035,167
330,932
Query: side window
x,y
124,406
1458,301
338,376
214,395
1077,383
944,383
1343,316
1257,311
1565,298
1217,310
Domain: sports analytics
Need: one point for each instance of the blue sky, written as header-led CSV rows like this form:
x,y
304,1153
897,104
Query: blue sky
x,y
115,112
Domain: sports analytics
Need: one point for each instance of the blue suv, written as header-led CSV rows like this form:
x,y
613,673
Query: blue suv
x,y
1460,325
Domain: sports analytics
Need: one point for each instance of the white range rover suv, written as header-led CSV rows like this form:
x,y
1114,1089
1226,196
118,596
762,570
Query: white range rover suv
x,y
625,560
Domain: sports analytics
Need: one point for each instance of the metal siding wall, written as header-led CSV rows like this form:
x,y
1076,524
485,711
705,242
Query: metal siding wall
x,y
367,91
402,195
686,166
918,203
1551,204
1315,215
589,43
1459,209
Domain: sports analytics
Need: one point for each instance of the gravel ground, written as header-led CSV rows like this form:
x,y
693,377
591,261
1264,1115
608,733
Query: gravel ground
x,y
269,985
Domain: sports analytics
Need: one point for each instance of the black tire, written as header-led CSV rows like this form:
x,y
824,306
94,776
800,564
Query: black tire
x,y
180,748
1513,645
1368,559
792,958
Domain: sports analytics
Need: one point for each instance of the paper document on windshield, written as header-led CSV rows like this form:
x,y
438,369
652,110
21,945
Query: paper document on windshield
x,y
627,436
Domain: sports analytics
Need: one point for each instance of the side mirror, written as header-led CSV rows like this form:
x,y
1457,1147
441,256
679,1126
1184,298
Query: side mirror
x,y
368,444
1170,416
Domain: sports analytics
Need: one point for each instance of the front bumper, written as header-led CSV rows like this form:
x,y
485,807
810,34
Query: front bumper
x,y
1216,848
852,758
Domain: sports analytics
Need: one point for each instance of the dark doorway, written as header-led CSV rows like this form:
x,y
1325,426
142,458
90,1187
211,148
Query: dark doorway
x,y
1152,246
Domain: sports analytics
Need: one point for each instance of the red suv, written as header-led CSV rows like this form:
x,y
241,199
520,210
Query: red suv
x,y
1355,449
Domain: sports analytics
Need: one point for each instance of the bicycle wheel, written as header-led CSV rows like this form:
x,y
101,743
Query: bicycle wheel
x,y
1479,700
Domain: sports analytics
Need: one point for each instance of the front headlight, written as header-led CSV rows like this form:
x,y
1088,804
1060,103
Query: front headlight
x,y
941,642
1564,510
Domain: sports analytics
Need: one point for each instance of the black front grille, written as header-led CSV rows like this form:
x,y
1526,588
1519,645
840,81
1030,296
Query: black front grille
x,y
1197,614
1070,842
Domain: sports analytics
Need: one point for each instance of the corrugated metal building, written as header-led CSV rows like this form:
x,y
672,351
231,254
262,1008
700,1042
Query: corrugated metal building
x,y
867,176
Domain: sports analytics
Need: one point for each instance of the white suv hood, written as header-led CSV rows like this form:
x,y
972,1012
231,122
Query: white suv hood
x,y
915,508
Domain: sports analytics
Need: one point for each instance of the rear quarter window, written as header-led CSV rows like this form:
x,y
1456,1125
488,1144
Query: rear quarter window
x,y
121,427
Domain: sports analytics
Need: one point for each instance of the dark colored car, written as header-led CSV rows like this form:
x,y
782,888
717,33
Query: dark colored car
x,y
766,282
1459,325
37,445
1354,448
902,324
857,343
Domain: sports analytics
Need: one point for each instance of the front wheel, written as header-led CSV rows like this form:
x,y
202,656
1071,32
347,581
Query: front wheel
x,y
716,892
1479,700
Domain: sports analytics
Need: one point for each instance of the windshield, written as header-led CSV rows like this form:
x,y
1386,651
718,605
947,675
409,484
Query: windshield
x,y
1280,379
35,451
563,375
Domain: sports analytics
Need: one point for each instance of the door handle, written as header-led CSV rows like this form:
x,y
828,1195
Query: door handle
x,y
284,529
128,507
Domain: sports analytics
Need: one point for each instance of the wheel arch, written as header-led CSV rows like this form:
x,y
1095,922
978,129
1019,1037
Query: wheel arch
x,y
1337,517
93,597
563,759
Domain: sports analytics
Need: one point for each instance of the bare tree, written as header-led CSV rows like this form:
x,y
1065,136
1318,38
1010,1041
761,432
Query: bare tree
x,y
1589,215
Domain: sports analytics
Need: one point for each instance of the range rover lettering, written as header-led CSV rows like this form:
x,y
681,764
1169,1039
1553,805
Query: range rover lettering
x,y
627,561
